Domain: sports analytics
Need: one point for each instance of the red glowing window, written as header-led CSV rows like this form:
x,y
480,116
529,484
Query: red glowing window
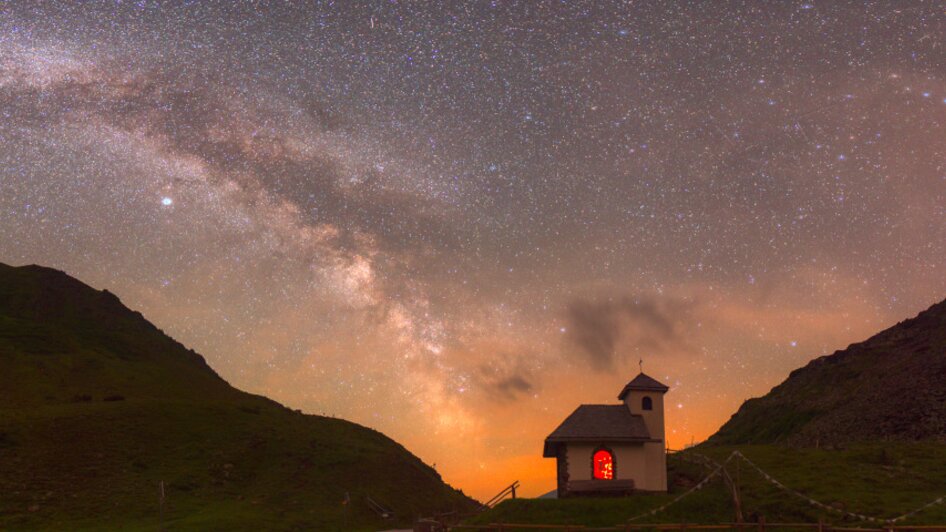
x,y
603,465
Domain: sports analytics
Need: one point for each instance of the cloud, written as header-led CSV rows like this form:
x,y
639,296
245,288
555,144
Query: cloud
x,y
607,332
512,385
506,377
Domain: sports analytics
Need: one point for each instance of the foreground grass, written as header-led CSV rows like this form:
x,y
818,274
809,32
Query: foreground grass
x,y
98,466
880,480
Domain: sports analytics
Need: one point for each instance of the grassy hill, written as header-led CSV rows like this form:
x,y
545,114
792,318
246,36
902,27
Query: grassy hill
x,y
97,406
883,480
889,387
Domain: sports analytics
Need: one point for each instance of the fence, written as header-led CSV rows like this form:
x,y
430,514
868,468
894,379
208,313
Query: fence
x,y
860,517
717,468
507,492
760,526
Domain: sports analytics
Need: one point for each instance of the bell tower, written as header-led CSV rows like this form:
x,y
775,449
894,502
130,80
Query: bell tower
x,y
644,396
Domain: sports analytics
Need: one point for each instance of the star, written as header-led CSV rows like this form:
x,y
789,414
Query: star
x,y
457,203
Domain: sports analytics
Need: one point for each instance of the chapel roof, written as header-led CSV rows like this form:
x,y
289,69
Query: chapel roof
x,y
598,423
643,383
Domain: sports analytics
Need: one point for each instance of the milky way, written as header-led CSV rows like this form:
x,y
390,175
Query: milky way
x,y
454,224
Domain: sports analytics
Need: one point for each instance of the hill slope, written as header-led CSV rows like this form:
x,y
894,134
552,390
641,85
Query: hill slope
x,y
97,406
883,480
890,387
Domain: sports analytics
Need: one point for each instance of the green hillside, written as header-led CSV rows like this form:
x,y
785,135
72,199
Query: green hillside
x,y
889,387
878,480
97,407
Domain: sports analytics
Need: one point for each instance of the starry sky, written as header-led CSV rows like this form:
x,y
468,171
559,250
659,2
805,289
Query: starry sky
x,y
456,222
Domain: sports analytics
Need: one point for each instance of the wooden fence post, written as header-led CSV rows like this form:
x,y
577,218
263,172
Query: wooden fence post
x,y
734,490
820,524
761,523
161,506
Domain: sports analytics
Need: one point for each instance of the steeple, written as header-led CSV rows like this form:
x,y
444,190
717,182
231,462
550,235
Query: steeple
x,y
644,397
643,383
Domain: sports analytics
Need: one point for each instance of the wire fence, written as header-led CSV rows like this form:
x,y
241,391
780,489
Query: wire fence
x,y
853,515
699,485
716,469
761,526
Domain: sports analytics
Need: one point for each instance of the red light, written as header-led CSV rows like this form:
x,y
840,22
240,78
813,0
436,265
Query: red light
x,y
603,465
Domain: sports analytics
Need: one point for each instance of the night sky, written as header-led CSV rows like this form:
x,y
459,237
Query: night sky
x,y
455,224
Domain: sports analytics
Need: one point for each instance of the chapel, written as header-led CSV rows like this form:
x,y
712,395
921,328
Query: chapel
x,y
613,449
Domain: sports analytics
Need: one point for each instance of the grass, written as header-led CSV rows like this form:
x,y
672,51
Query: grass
x,y
97,407
891,386
878,479
100,463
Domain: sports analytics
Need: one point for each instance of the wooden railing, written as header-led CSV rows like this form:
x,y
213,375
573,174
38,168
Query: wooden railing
x,y
508,491
382,511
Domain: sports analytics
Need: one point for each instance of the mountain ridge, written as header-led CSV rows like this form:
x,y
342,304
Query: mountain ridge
x,y
891,386
98,406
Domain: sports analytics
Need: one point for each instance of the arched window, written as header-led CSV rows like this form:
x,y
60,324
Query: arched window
x,y
602,465
647,403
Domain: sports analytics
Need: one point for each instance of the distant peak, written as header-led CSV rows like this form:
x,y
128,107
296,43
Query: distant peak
x,y
888,387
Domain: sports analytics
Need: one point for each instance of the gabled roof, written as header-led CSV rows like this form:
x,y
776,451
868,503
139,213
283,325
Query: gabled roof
x,y
598,424
644,383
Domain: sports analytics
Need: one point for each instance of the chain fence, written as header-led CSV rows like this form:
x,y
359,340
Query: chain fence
x,y
706,460
699,485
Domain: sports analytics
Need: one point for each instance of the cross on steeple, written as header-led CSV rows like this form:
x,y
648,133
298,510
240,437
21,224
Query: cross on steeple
x,y
641,364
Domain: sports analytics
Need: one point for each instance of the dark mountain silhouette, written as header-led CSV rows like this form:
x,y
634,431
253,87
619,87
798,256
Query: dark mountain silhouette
x,y
889,387
98,407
